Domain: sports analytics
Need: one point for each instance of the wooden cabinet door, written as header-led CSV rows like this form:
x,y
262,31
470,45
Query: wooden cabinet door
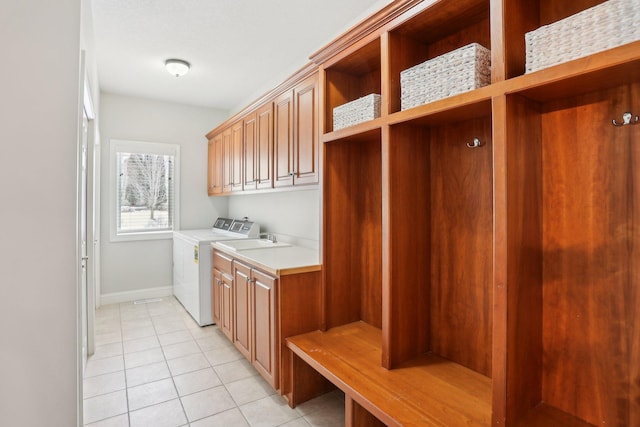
x,y
249,153
226,321
216,295
210,166
214,167
283,140
306,137
218,168
242,314
264,147
227,154
265,349
296,135
237,142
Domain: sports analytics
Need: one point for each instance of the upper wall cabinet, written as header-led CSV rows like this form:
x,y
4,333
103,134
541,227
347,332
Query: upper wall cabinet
x,y
214,176
275,144
264,147
296,135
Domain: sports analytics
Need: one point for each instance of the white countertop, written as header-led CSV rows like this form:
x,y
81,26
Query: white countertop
x,y
279,261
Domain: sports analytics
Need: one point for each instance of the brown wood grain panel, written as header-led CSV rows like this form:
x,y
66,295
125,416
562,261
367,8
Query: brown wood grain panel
x,y
306,132
500,263
404,52
428,391
408,239
357,416
222,262
216,296
211,166
283,140
306,383
590,299
299,311
264,146
242,309
341,281
249,152
227,307
363,60
546,416
367,181
521,253
342,87
553,10
265,344
227,154
518,18
236,153
443,18
633,312
461,244
352,211
477,32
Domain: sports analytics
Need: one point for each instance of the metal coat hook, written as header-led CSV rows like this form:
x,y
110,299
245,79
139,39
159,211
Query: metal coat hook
x,y
475,144
627,119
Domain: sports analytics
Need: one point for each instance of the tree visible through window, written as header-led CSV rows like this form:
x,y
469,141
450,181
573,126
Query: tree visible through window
x,y
144,195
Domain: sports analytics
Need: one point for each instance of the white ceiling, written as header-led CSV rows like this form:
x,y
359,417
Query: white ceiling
x,y
238,49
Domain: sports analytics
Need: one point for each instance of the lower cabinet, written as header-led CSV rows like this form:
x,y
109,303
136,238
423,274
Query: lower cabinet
x,y
257,311
263,325
223,293
254,319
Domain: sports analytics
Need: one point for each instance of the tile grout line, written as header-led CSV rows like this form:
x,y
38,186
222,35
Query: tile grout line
x,y
124,365
166,361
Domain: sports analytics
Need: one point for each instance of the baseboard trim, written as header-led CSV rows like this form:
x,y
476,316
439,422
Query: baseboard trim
x,y
128,296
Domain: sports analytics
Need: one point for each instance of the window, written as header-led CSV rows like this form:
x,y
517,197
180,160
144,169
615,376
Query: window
x,y
144,190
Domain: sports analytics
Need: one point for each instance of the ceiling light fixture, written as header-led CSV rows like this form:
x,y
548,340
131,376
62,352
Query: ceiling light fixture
x,y
177,67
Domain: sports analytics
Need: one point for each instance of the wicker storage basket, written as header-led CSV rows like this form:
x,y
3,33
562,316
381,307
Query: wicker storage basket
x,y
461,70
604,26
358,111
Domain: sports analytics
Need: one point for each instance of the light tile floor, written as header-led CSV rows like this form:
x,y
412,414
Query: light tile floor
x,y
154,366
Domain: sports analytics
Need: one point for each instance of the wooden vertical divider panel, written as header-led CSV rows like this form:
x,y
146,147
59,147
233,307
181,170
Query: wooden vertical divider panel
x,y
407,233
522,352
462,243
352,231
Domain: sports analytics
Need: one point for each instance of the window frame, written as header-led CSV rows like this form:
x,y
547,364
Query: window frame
x,y
121,145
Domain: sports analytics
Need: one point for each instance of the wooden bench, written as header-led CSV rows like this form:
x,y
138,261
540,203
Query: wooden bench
x,y
429,391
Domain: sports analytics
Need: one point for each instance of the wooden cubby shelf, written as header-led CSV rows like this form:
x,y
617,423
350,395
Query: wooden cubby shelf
x,y
430,390
433,30
352,77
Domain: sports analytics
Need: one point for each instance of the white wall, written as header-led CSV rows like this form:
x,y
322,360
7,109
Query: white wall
x,y
293,213
38,135
146,265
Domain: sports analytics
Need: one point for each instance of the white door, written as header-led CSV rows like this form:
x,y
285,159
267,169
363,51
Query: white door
x,y
83,236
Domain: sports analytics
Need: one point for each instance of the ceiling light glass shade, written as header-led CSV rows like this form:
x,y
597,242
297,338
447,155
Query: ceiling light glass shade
x,y
177,67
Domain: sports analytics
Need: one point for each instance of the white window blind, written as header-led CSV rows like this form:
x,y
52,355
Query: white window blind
x,y
144,191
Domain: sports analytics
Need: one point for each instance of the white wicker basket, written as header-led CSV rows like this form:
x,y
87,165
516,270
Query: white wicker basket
x,y
358,111
461,70
604,26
